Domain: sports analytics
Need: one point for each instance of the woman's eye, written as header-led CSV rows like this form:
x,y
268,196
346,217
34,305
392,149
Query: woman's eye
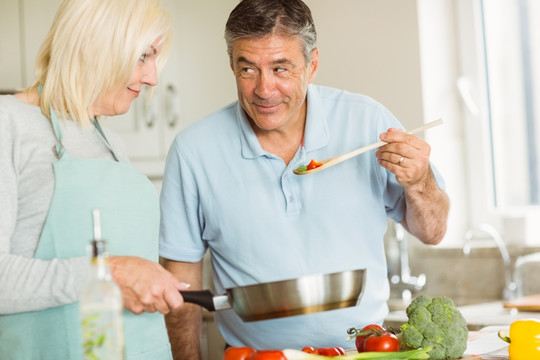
x,y
143,57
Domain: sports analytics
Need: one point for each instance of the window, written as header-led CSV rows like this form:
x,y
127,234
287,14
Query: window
x,y
481,74
499,83
511,49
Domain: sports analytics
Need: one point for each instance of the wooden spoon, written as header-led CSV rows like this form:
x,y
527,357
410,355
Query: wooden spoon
x,y
326,163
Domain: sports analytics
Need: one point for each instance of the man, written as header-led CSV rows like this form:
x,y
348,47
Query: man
x,y
229,186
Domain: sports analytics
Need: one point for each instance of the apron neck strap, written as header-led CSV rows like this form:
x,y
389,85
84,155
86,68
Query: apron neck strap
x,y
102,133
60,149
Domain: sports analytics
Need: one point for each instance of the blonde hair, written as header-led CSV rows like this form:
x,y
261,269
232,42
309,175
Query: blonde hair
x,y
93,46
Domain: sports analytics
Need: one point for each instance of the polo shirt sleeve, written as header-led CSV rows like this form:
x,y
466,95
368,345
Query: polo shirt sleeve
x,y
394,196
181,224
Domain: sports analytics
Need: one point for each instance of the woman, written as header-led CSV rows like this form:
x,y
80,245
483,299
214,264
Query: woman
x,y
58,164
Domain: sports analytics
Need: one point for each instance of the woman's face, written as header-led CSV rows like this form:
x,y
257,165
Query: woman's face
x,y
118,101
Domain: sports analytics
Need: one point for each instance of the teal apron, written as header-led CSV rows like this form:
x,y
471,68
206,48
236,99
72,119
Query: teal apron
x,y
130,223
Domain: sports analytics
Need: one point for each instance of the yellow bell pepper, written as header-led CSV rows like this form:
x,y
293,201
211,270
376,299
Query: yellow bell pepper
x,y
524,339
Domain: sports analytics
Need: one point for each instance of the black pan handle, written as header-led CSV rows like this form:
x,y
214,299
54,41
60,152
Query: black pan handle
x,y
204,298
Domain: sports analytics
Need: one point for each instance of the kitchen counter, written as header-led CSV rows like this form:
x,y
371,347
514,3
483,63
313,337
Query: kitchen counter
x,y
478,316
484,320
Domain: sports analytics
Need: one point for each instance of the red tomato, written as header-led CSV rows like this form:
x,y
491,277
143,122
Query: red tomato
x,y
333,351
313,164
237,353
384,342
268,355
310,350
360,340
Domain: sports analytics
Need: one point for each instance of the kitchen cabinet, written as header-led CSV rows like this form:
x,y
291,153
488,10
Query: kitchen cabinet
x,y
10,45
23,26
195,81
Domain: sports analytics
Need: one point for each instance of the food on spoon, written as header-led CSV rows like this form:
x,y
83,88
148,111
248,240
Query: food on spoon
x,y
435,322
312,165
524,338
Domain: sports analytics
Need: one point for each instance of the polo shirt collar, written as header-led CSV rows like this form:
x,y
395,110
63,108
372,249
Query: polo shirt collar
x,y
250,146
316,133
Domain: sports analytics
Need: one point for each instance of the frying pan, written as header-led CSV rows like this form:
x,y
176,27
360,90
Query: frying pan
x,y
305,295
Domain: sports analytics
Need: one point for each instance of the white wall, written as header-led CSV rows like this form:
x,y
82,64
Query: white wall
x,y
372,47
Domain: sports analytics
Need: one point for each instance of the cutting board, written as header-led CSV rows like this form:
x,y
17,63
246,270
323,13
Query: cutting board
x,y
526,303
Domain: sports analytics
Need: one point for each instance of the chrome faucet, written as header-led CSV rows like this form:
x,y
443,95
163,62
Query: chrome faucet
x,y
472,236
404,280
521,274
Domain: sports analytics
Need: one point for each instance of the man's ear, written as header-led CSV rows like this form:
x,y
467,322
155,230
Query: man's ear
x,y
314,65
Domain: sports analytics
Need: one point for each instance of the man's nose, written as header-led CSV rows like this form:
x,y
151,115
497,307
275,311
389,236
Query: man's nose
x,y
265,85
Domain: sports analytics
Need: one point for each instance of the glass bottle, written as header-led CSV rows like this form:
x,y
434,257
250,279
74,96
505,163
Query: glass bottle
x,y
101,306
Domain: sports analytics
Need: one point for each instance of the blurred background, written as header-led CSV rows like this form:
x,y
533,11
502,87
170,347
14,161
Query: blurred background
x,y
473,63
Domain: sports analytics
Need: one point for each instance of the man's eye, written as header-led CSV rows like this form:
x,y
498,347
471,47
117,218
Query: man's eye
x,y
247,72
280,69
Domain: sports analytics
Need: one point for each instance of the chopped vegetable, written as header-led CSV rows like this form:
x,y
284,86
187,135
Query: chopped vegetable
x,y
416,354
524,339
313,164
331,351
435,322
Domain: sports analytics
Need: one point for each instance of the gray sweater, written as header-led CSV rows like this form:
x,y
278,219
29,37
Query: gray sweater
x,y
26,189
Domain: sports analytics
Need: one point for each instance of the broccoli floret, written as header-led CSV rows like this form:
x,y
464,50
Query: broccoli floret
x,y
435,322
420,318
411,336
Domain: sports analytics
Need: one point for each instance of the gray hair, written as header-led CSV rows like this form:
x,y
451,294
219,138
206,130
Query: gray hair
x,y
258,18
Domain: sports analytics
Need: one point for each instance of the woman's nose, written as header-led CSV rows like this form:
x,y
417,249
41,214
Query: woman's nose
x,y
150,74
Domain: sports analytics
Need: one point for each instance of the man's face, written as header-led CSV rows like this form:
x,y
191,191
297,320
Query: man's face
x,y
272,79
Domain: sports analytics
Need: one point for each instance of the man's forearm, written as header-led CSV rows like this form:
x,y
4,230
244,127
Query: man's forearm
x,y
184,330
184,325
427,211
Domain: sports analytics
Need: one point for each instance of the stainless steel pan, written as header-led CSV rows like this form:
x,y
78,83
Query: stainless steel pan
x,y
305,295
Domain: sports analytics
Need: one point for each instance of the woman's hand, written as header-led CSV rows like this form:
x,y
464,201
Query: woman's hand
x,y
146,286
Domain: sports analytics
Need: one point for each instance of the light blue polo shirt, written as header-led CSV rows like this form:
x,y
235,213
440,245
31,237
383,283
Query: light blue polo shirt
x,y
262,223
